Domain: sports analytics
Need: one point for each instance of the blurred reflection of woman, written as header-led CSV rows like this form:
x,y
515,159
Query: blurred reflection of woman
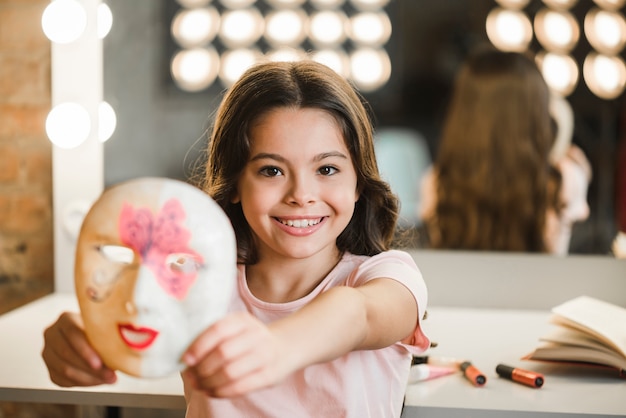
x,y
500,181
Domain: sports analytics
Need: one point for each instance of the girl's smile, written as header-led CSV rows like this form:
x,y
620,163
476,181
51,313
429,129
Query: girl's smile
x,y
301,227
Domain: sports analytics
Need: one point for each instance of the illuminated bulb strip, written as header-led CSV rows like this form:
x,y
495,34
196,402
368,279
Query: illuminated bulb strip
x,y
285,27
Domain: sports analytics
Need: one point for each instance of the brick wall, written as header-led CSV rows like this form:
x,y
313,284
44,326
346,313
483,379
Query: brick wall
x,y
26,246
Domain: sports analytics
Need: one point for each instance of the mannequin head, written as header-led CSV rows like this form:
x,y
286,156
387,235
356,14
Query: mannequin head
x,y
155,265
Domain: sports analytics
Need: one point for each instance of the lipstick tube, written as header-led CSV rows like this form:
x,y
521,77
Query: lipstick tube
x,y
525,377
472,374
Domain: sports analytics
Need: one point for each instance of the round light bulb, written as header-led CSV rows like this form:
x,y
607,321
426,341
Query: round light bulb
x,y
107,121
105,20
370,69
336,59
235,62
286,27
605,30
195,69
370,28
605,75
195,27
559,70
328,28
557,31
64,21
509,30
68,125
241,28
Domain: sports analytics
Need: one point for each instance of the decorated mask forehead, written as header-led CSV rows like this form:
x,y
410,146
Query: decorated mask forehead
x,y
155,265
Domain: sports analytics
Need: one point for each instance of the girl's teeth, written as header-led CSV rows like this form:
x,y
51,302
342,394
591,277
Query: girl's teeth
x,y
301,223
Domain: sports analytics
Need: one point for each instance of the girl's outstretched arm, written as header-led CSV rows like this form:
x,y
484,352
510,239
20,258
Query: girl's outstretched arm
x,y
70,359
239,354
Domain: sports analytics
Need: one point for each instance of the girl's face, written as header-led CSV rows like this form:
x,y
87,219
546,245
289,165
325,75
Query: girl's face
x,y
155,265
299,187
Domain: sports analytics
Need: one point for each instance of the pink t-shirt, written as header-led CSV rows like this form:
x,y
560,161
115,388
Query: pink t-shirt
x,y
360,384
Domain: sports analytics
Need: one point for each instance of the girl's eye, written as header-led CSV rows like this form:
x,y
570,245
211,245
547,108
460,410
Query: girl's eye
x,y
270,171
328,170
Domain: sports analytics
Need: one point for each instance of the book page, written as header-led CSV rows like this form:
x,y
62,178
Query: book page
x,y
569,353
574,337
605,321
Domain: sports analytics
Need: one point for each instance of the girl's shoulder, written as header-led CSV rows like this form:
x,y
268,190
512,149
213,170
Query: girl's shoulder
x,y
382,257
391,263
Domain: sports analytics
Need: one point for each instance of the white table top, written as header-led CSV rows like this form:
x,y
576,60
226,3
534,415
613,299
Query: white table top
x,y
486,337
24,377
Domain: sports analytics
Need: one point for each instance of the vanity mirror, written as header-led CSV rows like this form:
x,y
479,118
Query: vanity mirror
x,y
161,129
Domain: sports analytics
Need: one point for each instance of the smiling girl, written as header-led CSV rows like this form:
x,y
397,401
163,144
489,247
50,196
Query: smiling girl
x,y
326,316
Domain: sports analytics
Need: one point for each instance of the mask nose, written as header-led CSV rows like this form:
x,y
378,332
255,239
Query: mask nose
x,y
145,292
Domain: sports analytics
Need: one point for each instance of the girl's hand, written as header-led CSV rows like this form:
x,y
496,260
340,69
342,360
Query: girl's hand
x,y
234,356
70,359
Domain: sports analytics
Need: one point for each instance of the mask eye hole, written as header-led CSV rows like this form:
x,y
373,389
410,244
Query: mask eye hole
x,y
117,254
182,263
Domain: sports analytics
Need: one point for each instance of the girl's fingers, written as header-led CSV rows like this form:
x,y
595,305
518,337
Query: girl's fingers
x,y
214,336
70,359
66,375
250,382
235,365
77,341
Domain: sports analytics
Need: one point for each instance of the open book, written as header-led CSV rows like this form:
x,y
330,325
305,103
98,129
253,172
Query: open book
x,y
586,331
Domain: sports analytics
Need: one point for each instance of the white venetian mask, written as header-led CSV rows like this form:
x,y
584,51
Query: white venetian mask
x,y
155,265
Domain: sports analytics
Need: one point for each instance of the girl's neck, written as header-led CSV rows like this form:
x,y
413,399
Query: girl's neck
x,y
281,280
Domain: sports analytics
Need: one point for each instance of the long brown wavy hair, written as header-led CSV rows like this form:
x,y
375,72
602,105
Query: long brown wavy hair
x,y
494,180
304,84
